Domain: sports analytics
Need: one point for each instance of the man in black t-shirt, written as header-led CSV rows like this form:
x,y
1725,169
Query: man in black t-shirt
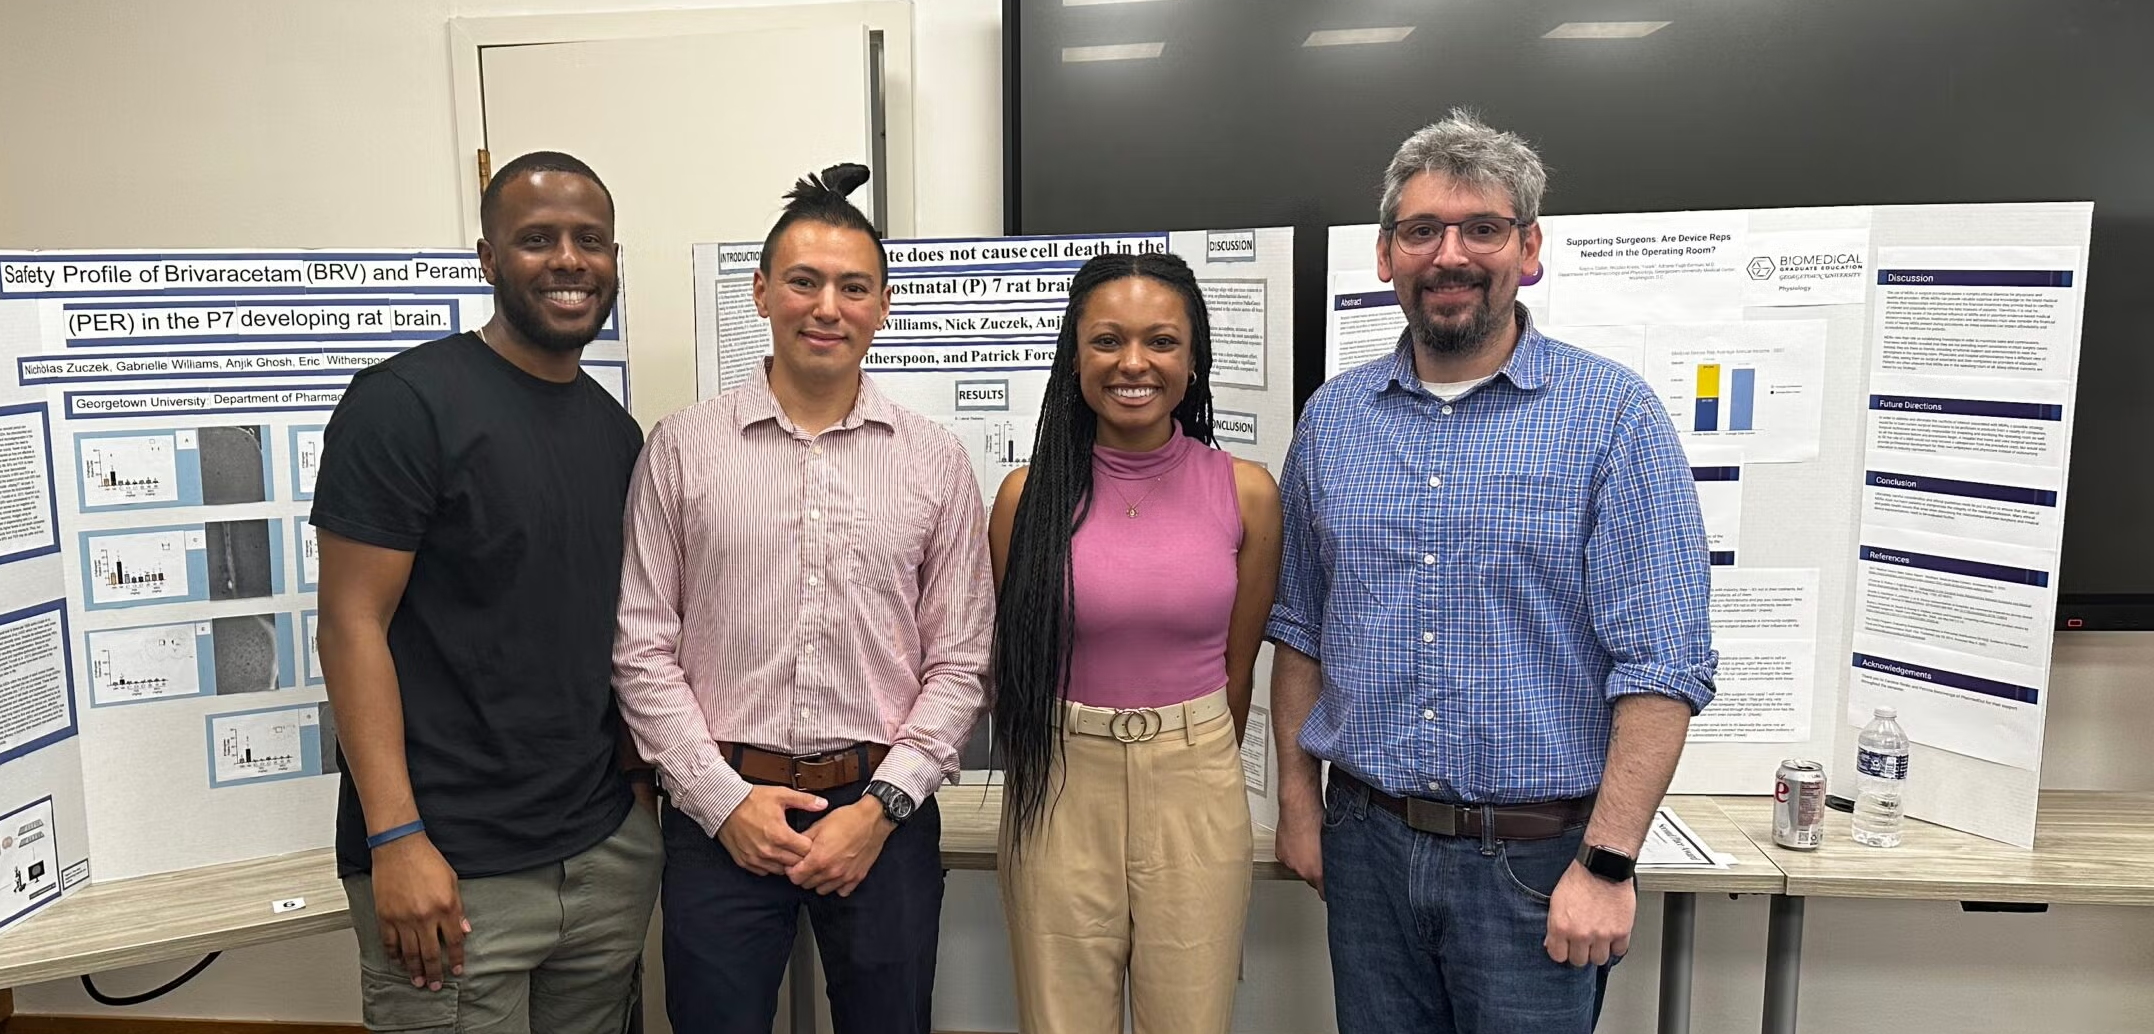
x,y
500,872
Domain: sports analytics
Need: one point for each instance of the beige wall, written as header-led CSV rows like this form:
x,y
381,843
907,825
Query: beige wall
x,y
310,123
316,123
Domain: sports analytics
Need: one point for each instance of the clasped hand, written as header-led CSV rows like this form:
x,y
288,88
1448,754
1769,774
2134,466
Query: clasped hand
x,y
831,857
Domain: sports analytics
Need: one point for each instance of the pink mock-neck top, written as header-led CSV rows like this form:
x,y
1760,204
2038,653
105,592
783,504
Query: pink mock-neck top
x,y
1154,592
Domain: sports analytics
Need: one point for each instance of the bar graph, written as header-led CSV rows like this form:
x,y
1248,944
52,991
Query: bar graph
x,y
121,577
256,744
128,471
1708,397
310,555
307,458
1732,409
1000,445
131,664
308,625
139,566
240,751
1742,398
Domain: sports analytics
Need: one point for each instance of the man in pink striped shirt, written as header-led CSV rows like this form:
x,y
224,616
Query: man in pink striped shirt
x,y
806,608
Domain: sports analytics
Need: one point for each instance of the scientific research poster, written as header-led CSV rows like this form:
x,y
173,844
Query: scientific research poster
x,y
1973,378
973,322
1877,403
161,446
970,342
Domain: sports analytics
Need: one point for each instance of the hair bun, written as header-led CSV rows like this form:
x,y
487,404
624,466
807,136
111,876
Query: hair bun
x,y
845,177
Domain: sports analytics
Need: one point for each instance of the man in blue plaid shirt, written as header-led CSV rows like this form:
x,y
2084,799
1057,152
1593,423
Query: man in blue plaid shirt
x,y
1491,620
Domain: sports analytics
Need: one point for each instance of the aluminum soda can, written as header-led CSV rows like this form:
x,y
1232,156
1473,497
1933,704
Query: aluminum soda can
x,y
1799,804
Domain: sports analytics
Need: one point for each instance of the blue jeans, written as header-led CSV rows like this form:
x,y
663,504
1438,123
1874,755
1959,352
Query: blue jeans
x,y
1434,934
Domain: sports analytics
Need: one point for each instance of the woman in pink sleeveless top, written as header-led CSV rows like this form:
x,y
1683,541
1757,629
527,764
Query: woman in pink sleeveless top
x,y
1136,565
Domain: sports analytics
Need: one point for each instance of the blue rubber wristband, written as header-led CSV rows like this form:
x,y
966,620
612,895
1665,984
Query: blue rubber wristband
x,y
395,833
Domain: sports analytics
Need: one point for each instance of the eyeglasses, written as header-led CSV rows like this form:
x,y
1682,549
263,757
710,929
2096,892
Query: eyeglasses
x,y
1481,235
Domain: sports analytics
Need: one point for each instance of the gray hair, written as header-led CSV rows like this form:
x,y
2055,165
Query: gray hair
x,y
1464,149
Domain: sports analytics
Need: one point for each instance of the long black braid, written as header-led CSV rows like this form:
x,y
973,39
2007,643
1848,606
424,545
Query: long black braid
x,y
1035,612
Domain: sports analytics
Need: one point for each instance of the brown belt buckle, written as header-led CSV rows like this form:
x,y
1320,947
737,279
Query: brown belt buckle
x,y
802,767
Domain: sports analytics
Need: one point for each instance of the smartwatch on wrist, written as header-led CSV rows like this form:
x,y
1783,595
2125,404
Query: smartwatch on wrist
x,y
897,804
1607,863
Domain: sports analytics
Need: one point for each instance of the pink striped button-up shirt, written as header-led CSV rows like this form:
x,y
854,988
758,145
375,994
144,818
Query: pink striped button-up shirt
x,y
801,593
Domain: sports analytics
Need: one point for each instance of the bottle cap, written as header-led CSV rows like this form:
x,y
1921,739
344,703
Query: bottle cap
x,y
1887,711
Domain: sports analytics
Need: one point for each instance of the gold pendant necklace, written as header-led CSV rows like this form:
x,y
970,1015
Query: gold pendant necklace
x,y
1130,508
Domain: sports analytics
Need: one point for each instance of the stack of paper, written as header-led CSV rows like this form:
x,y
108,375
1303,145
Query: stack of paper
x,y
1670,844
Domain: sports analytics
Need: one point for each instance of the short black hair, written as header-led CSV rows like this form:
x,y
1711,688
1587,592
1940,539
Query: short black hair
x,y
524,165
821,198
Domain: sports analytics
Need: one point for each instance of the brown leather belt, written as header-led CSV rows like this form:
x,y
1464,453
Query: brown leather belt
x,y
1502,821
809,772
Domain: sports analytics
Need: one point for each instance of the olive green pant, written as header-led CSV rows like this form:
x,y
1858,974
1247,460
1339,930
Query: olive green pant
x,y
554,949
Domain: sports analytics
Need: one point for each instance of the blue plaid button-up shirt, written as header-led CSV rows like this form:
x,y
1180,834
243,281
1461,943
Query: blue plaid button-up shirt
x,y
1481,579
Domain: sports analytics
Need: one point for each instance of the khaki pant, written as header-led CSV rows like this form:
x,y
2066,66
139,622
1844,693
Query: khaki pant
x,y
1140,868
555,949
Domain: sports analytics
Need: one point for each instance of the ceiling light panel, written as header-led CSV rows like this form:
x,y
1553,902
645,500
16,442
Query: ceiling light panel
x,y
1114,52
1353,37
1604,30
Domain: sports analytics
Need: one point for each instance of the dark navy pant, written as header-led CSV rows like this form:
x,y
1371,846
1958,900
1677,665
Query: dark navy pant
x,y
729,932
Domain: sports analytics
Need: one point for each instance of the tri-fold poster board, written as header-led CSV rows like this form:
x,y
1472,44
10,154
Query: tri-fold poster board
x,y
161,414
1877,402
971,337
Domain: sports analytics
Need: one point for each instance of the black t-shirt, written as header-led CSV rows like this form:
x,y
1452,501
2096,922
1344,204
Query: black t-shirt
x,y
509,489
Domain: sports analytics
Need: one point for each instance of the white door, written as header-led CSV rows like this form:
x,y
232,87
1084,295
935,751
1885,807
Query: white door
x,y
698,137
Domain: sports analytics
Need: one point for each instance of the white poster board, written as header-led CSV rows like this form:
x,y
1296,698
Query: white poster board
x,y
44,823
971,339
178,399
1893,389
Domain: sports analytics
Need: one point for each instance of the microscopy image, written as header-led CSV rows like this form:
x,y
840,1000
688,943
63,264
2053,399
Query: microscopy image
x,y
330,757
238,559
232,464
246,653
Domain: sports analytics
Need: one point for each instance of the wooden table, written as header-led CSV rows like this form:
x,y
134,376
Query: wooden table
x,y
107,926
2090,848
1753,873
971,817
155,918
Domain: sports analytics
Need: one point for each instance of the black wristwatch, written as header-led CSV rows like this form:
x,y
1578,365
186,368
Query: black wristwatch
x,y
1607,863
897,804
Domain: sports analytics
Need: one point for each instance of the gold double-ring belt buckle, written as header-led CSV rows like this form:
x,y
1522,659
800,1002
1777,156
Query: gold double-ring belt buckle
x,y
1135,724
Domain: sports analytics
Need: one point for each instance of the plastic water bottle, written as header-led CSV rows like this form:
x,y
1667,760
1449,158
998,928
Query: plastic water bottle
x,y
1880,779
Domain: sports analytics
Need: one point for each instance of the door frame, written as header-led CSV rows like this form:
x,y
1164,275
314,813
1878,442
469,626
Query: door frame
x,y
891,18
